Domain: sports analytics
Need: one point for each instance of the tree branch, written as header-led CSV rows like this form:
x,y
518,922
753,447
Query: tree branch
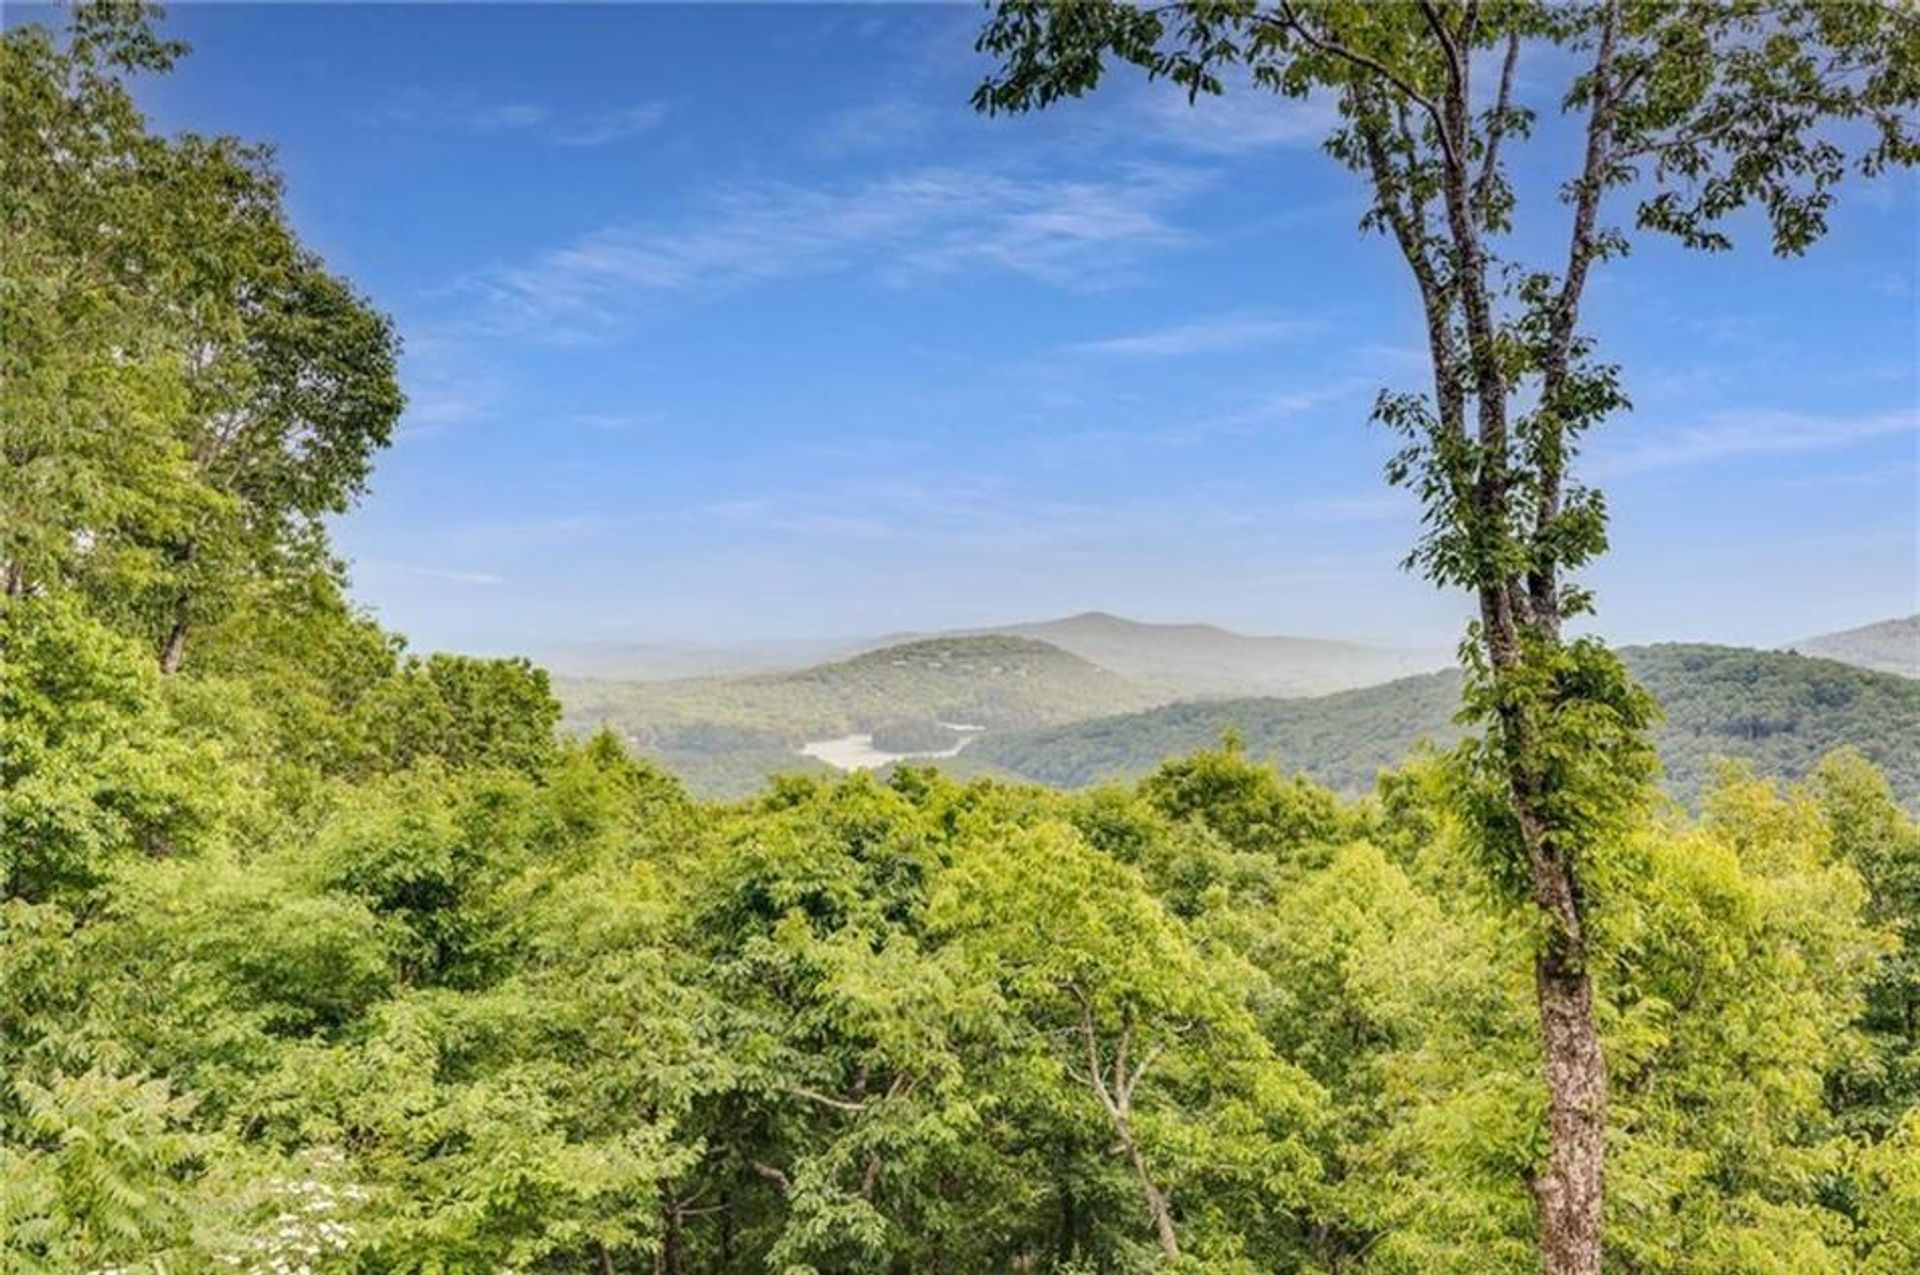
x,y
1496,128
1369,63
1140,1072
1691,137
1542,582
1093,1057
1407,220
1447,44
772,1175
825,1100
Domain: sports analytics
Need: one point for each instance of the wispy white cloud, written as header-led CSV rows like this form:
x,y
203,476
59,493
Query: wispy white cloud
x,y
1878,476
1736,435
932,222
412,571
1221,335
1076,447
1893,283
1244,118
601,127
1390,362
471,116
448,383
439,407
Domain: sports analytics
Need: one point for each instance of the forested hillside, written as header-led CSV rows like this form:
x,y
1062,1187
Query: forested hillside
x,y
1052,720
727,735
318,956
1779,711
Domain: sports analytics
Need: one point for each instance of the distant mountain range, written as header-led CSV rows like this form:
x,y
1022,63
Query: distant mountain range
x,y
1183,661
1171,660
1891,646
1092,696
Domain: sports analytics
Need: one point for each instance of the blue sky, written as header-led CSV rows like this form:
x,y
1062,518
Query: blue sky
x,y
733,323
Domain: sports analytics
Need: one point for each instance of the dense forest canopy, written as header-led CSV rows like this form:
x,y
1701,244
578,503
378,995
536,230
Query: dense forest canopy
x,y
1778,711
317,955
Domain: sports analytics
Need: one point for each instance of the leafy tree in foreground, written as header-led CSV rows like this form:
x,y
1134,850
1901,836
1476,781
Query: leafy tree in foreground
x,y
187,391
1694,112
291,384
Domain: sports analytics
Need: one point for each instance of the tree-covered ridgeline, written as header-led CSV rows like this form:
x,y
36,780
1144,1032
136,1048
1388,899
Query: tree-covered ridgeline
x,y
1776,710
1687,114
315,955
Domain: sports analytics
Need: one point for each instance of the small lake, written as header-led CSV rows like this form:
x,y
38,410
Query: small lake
x,y
856,752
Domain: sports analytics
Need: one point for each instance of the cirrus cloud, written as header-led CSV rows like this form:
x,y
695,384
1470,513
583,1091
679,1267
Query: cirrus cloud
x,y
937,222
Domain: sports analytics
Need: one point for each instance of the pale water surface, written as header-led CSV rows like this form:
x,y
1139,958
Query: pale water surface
x,y
856,752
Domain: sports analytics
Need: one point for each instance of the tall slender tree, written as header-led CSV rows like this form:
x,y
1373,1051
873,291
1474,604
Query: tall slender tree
x,y
1689,112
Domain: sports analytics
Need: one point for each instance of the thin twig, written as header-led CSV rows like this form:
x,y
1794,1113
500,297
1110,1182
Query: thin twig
x,y
1497,127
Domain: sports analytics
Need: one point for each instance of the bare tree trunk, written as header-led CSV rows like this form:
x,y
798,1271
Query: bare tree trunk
x,y
670,1260
1157,1205
1572,1194
1570,1197
1116,1095
174,649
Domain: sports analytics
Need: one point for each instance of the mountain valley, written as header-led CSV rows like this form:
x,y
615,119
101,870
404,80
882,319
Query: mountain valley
x,y
1094,697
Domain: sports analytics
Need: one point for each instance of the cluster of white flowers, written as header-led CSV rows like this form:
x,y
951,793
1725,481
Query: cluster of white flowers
x,y
308,1229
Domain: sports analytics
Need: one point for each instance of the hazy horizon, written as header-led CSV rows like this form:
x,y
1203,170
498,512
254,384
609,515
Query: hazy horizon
x,y
730,326
810,647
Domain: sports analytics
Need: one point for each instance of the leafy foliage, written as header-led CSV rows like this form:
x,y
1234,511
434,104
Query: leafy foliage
x,y
315,956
